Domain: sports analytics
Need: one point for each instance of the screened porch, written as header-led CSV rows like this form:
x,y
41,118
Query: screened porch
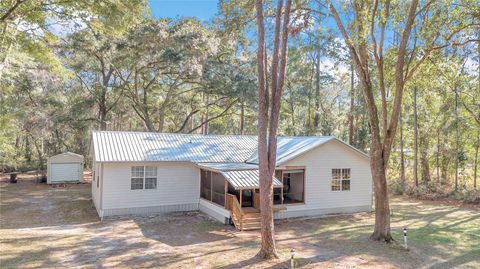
x,y
216,186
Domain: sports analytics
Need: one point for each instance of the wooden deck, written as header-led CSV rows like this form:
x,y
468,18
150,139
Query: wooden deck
x,y
245,218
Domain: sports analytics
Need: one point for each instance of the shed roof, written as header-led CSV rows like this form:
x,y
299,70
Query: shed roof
x,y
66,154
245,179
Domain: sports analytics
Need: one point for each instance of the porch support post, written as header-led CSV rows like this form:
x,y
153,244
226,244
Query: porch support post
x,y
226,190
211,186
241,194
281,193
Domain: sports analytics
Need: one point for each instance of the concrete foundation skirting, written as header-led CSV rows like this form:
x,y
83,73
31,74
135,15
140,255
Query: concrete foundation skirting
x,y
222,215
289,213
214,211
149,210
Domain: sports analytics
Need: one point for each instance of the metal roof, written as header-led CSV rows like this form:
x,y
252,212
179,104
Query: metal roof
x,y
246,179
111,146
230,150
291,147
240,175
228,166
68,153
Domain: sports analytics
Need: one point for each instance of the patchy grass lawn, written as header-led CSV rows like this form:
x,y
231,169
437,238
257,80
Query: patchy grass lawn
x,y
45,227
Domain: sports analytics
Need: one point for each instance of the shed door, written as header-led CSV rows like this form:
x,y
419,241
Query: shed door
x,y
65,172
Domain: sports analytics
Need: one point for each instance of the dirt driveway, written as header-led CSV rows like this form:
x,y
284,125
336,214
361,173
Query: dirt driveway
x,y
46,227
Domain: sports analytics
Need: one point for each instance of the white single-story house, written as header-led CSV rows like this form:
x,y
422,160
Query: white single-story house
x,y
144,173
65,168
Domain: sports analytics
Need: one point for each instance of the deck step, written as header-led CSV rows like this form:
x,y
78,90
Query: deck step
x,y
251,228
250,218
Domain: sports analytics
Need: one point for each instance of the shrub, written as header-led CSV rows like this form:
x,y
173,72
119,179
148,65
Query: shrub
x,y
430,191
397,188
468,196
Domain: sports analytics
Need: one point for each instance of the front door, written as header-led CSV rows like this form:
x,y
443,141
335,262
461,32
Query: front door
x,y
247,198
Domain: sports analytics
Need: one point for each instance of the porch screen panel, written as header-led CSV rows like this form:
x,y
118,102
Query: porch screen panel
x,y
218,189
293,186
205,185
277,192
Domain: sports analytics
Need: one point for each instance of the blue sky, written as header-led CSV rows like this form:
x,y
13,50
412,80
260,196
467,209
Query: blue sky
x,y
202,9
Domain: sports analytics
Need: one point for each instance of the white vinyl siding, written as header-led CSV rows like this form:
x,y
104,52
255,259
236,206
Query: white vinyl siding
x,y
178,184
319,196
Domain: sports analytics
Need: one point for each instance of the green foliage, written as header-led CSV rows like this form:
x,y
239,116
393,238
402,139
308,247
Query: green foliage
x,y
468,196
120,69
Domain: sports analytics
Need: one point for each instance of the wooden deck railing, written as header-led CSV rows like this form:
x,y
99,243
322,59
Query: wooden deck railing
x,y
236,210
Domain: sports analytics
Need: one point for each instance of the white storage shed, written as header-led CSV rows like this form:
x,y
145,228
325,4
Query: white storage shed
x,y
64,168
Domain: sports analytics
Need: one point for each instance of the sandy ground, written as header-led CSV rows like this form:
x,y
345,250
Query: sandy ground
x,y
57,227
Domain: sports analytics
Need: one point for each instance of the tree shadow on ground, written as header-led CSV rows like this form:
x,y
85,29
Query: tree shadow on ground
x,y
458,261
33,205
184,228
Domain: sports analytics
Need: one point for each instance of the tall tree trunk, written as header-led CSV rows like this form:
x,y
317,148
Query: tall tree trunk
x,y
292,114
438,155
242,118
27,152
475,163
477,145
267,249
415,137
39,149
445,159
205,126
316,118
268,122
381,139
382,207
456,139
103,116
106,74
402,154
146,113
351,126
424,158
309,112
17,146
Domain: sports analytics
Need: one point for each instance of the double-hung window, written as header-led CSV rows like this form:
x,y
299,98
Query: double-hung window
x,y
341,179
150,177
143,177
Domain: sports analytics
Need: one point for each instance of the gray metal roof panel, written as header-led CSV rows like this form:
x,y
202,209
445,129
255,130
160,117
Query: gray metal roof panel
x,y
111,146
290,147
114,146
246,179
228,166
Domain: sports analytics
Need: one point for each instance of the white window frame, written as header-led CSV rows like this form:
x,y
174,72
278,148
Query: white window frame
x,y
144,177
342,178
150,176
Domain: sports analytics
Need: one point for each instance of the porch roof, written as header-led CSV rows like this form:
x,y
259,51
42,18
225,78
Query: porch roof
x,y
246,179
240,175
228,166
